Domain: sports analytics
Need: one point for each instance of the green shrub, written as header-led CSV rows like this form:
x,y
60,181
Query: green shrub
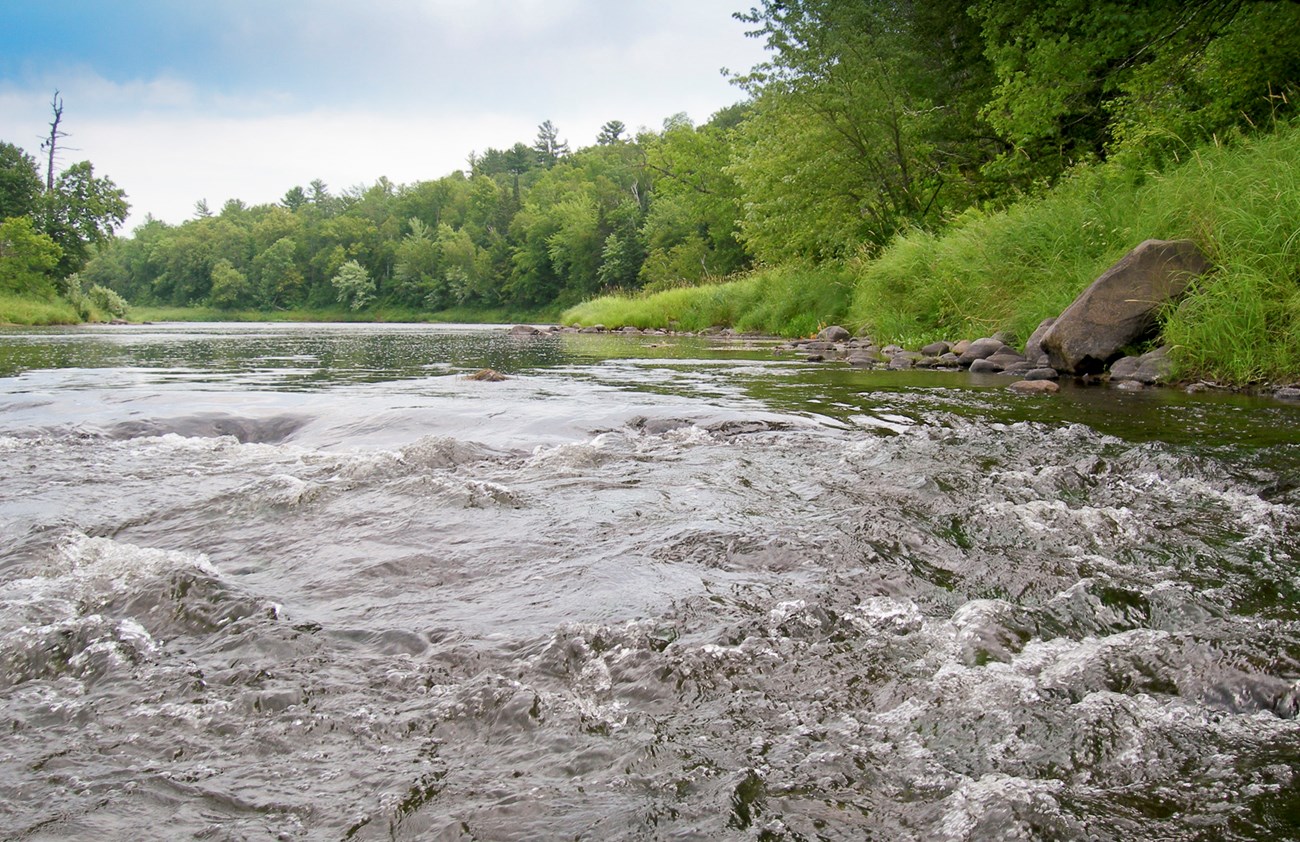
x,y
107,301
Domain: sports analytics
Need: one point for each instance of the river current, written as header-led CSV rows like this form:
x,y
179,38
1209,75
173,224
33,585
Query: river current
x,y
313,582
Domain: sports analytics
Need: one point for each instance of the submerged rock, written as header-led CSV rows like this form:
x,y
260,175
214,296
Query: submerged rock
x,y
1119,307
1034,387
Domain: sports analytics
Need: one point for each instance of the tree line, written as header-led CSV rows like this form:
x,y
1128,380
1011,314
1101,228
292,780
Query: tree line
x,y
524,227
869,118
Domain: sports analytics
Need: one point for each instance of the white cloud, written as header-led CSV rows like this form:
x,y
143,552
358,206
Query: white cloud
x,y
346,92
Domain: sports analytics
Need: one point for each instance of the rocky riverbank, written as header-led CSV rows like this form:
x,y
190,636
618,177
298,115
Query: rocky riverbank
x,y
1092,340
1029,370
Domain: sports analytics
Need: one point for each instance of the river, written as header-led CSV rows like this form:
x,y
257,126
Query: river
x,y
313,582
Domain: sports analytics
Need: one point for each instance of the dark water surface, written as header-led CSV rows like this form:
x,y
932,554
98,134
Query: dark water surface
x,y
311,582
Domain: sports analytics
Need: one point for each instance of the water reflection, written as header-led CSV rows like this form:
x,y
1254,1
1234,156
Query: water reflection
x,y
293,357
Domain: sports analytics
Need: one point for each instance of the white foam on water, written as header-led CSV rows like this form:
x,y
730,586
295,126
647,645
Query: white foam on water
x,y
998,797
85,569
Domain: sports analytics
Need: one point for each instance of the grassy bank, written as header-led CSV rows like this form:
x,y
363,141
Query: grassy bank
x,y
374,314
1008,270
782,301
16,310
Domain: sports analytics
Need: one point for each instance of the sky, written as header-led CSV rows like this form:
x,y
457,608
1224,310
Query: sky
x,y
178,101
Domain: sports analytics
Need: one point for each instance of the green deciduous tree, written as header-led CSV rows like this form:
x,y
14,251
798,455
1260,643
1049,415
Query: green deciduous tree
x,y
354,285
691,230
279,281
1078,79
80,212
230,287
419,268
28,259
865,123
20,182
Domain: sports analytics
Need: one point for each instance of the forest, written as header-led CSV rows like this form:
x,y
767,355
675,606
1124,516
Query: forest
x,y
873,123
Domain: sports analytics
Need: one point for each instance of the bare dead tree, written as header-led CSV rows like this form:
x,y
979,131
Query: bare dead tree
x,y
50,144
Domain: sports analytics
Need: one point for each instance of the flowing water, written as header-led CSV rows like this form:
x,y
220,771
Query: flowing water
x,y
312,582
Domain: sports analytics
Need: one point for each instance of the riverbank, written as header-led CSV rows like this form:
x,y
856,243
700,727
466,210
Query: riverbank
x,y
1006,271
36,312
380,314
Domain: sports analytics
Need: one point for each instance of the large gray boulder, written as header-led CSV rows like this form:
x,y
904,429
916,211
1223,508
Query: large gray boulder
x,y
1034,347
1120,306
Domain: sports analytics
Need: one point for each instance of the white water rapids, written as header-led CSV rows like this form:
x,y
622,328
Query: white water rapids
x,y
313,583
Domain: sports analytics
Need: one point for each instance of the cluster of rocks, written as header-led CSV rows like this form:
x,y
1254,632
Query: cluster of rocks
x,y
531,330
987,355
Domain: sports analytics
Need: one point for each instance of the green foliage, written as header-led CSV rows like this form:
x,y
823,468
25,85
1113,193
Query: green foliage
x,y
691,228
866,124
611,132
354,285
46,235
107,301
20,182
81,212
230,288
278,277
1002,271
1242,323
28,259
1078,79
548,147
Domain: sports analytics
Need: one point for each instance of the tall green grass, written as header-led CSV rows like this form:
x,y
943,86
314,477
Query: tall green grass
x,y
16,310
1242,323
793,300
1005,271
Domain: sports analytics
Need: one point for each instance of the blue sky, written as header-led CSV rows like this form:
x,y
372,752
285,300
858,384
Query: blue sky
x,y
180,101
